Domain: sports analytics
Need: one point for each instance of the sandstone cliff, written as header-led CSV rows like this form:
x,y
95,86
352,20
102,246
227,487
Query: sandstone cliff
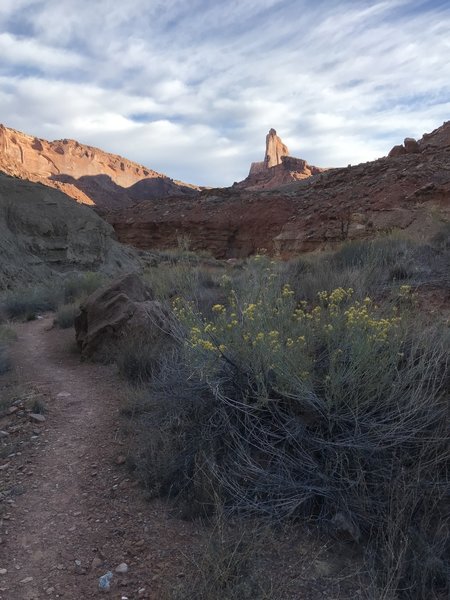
x,y
87,174
277,168
43,232
410,191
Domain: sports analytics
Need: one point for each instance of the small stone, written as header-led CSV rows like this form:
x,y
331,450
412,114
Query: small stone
x,y
37,418
3,434
141,592
3,571
63,395
12,410
104,582
5,466
122,568
121,459
26,580
96,563
49,590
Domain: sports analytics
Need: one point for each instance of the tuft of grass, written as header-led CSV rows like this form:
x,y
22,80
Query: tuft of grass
x,y
38,406
7,337
138,356
78,286
227,565
65,315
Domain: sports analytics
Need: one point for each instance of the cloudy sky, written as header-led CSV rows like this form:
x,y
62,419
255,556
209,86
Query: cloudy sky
x,y
190,88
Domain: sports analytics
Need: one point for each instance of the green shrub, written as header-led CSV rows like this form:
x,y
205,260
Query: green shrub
x,y
138,356
322,409
193,282
25,304
7,334
65,315
78,286
172,446
291,400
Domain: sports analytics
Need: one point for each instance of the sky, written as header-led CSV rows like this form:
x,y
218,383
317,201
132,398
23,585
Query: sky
x,y
191,88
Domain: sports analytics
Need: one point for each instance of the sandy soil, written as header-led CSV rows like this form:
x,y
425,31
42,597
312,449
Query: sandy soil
x,y
78,505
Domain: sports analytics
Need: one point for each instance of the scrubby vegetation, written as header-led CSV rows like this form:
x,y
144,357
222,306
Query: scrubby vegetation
x,y
7,336
63,295
314,389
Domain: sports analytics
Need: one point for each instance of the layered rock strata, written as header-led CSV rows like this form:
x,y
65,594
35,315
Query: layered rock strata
x,y
87,174
410,191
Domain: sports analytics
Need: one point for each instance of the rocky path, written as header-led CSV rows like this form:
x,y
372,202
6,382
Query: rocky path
x,y
81,514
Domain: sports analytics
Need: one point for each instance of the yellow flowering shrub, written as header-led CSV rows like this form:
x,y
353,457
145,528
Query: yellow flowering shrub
x,y
285,343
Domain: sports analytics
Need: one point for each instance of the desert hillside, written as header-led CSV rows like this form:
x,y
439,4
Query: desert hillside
x,y
43,232
87,174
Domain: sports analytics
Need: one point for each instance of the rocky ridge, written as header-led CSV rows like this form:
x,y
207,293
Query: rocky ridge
x,y
409,191
87,174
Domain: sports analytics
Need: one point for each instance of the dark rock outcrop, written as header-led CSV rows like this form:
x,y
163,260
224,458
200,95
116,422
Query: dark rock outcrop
x,y
122,307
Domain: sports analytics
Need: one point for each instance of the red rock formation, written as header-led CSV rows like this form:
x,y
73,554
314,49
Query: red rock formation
x,y
410,146
87,174
277,168
403,192
275,150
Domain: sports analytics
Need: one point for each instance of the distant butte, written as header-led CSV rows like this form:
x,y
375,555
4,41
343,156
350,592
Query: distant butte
x,y
277,168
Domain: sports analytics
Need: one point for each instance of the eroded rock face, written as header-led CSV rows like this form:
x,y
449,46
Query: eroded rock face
x,y
275,150
43,233
122,307
277,168
398,192
87,174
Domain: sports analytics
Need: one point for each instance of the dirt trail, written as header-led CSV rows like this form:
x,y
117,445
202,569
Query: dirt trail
x,y
78,504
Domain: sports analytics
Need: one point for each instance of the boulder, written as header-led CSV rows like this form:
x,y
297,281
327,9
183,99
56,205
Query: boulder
x,y
411,146
397,151
123,307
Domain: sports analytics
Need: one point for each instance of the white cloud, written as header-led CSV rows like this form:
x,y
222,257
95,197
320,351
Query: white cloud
x,y
191,89
25,52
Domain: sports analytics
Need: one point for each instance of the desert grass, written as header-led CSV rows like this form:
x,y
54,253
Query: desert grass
x,y
7,337
62,294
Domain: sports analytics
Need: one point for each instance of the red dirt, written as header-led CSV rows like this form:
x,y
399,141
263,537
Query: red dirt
x,y
77,503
